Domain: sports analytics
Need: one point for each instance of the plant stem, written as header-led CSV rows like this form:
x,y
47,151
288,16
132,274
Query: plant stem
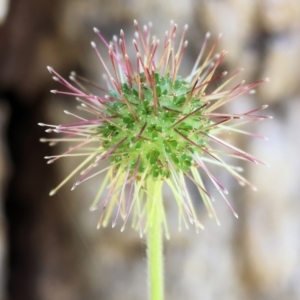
x,y
155,241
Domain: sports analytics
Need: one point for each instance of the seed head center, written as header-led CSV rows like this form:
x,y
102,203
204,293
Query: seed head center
x,y
161,122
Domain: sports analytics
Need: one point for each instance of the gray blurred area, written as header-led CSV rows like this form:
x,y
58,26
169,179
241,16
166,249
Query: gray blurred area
x,y
49,246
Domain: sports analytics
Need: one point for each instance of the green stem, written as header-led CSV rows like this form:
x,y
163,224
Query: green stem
x,y
155,241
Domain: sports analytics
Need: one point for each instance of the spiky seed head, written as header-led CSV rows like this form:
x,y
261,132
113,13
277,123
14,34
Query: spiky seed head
x,y
153,126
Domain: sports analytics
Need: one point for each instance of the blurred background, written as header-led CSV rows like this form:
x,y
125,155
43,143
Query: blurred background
x,y
50,248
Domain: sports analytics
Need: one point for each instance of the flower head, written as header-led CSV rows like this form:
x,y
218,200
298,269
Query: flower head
x,y
153,127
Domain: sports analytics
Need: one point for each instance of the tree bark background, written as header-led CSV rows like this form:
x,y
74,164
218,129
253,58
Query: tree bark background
x,y
50,248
